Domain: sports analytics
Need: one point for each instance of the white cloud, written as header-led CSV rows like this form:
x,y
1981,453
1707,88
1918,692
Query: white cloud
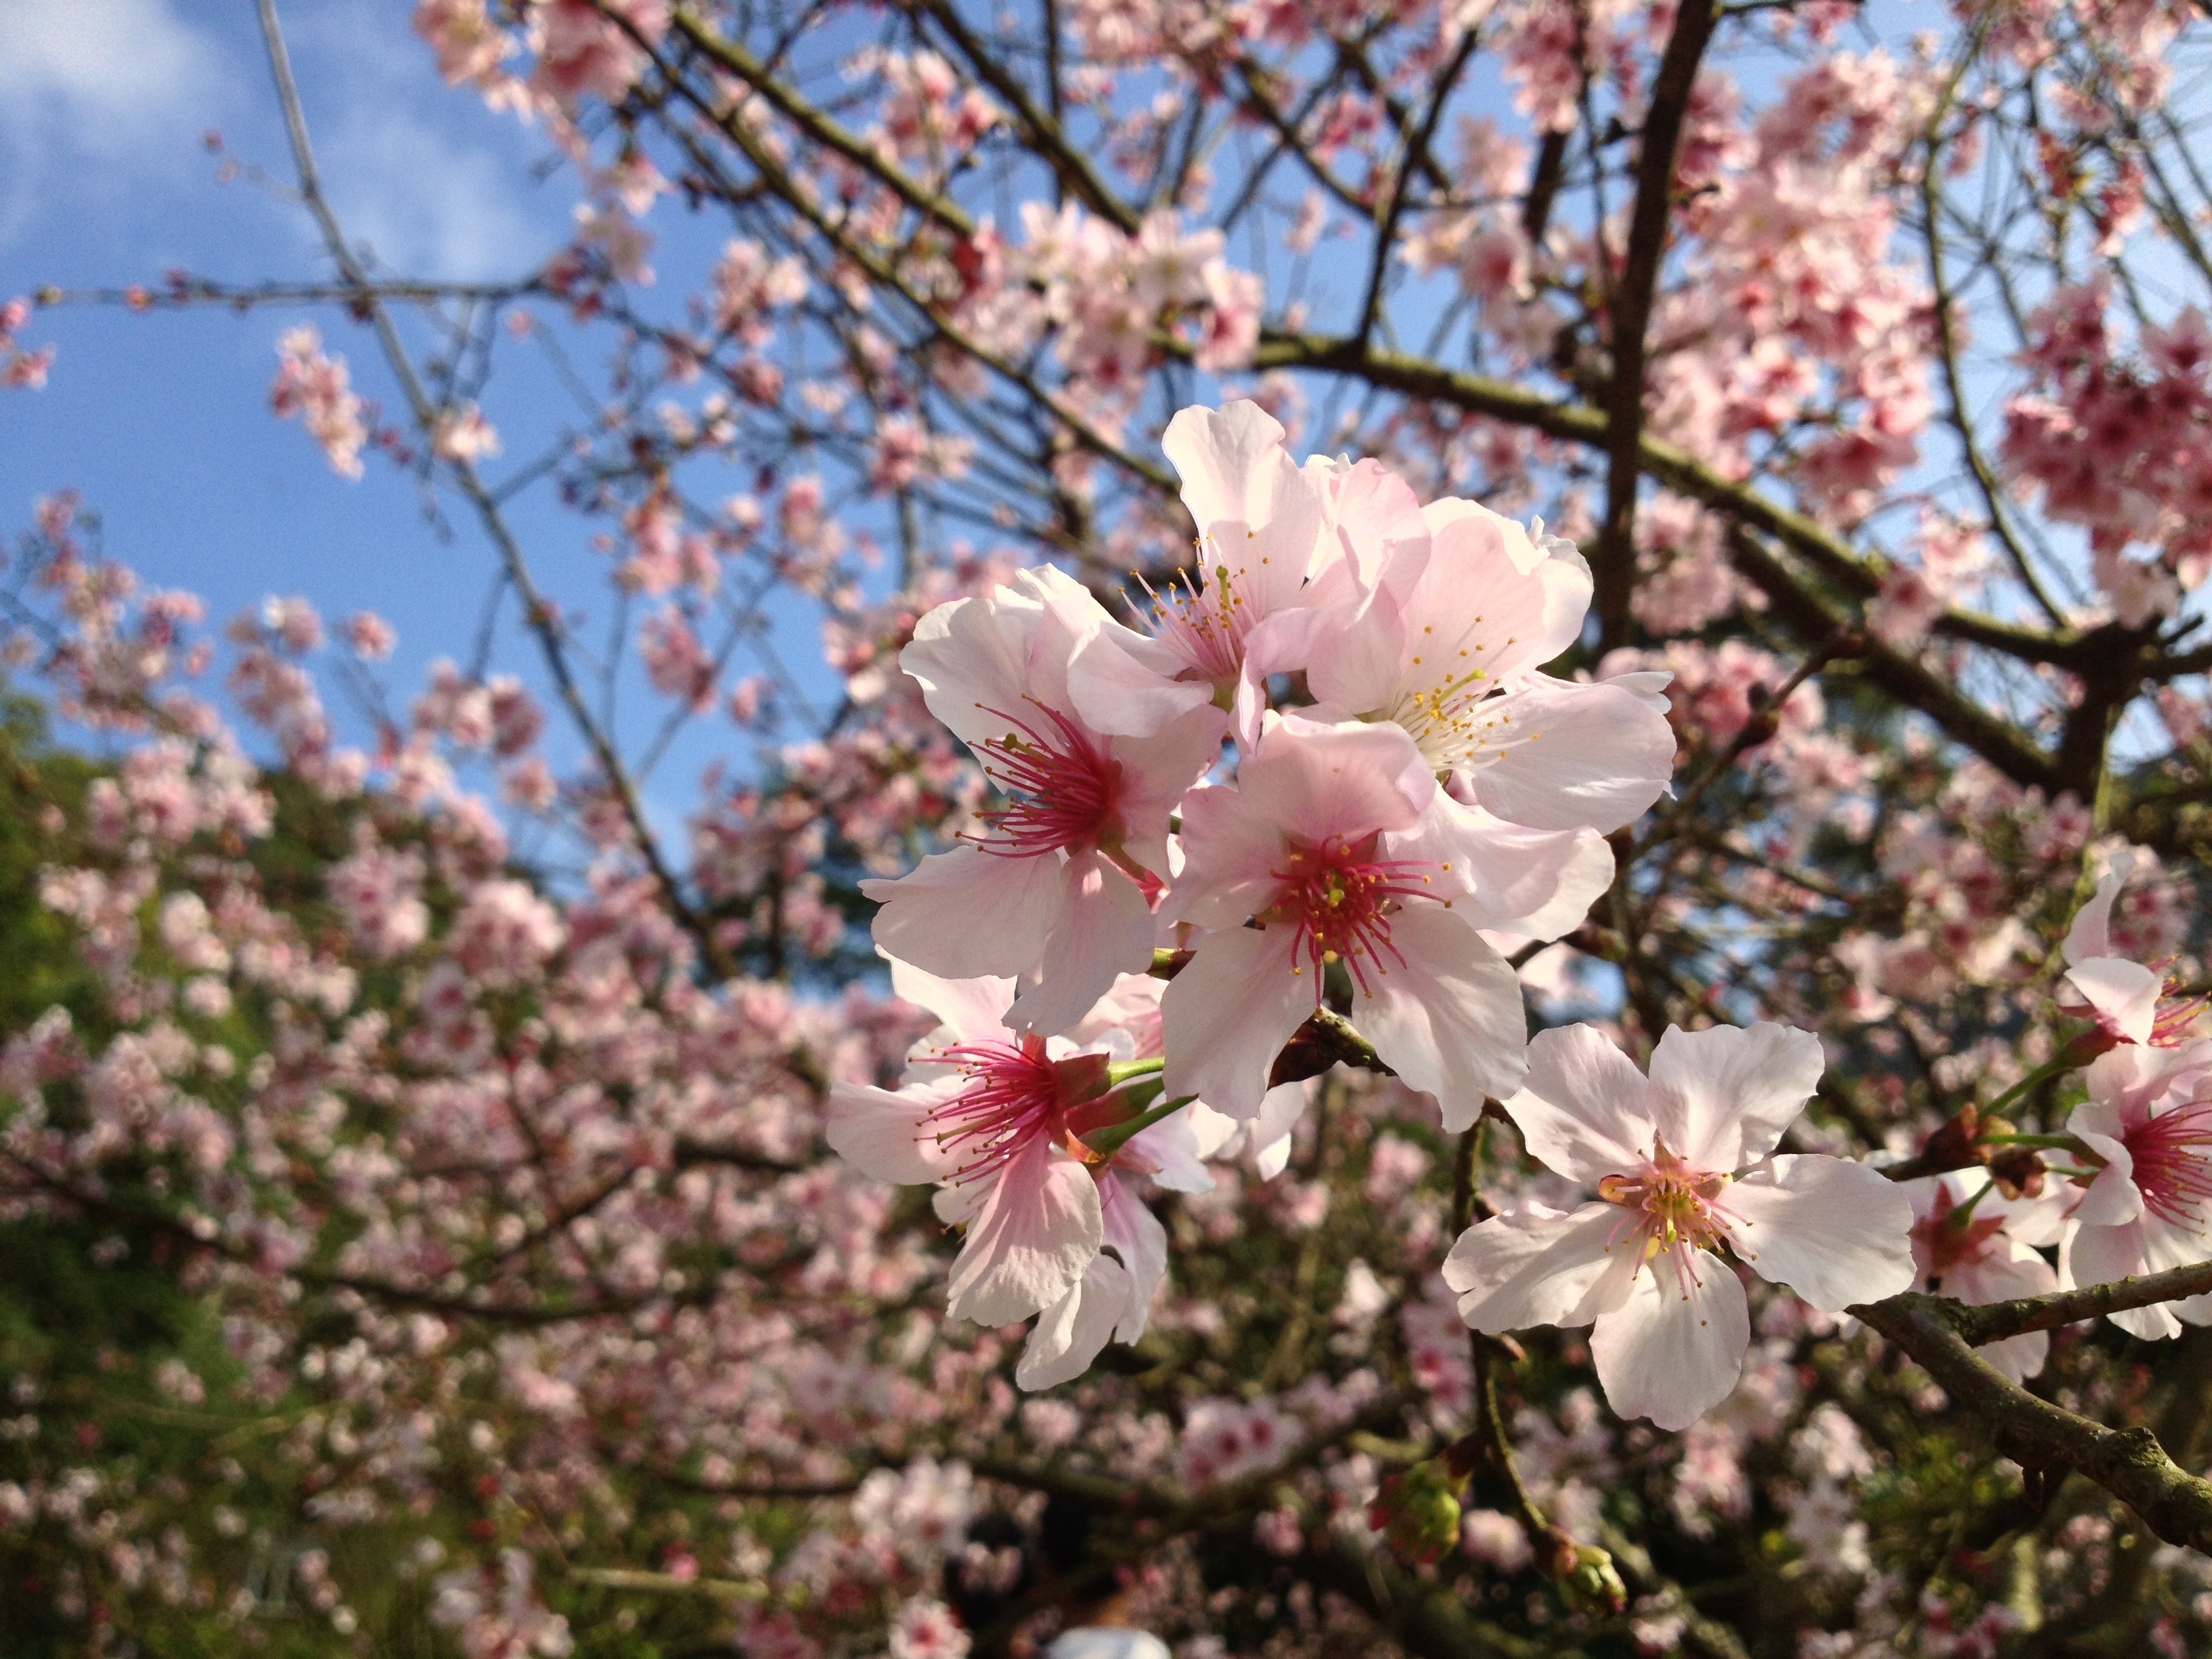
x,y
108,68
90,81
426,205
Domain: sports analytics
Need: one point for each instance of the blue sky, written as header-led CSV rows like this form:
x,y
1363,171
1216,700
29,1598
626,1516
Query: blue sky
x,y
162,420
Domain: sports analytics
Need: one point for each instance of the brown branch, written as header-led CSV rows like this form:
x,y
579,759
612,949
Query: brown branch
x,y
823,129
1414,143
2128,1462
1992,1322
1614,566
1072,165
1814,616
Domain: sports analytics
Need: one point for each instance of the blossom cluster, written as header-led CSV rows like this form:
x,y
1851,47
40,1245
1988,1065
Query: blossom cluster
x,y
1411,796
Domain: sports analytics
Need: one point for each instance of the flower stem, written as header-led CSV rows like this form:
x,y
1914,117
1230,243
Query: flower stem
x,y
1109,1140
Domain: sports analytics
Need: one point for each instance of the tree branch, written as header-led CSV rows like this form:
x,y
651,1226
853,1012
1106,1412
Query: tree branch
x,y
1614,567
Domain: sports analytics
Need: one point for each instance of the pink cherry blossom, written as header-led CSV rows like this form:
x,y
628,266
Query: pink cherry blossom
x,y
1973,1244
1058,887
1684,1165
1260,520
2148,1117
1305,846
994,1120
2129,1001
1447,647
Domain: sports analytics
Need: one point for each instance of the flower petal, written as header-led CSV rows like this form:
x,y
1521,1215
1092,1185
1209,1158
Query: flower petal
x,y
1585,1112
1835,1232
881,1134
2104,1255
2091,934
1313,781
1029,1241
1574,757
2123,994
1229,1012
1104,930
1722,1098
1136,1235
1671,1351
1534,884
1537,1265
967,913
971,1010
1448,1018
1074,1328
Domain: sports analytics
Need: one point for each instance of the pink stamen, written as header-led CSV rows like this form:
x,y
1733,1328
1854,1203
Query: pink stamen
x,y
1340,898
1673,1210
1063,787
1204,622
2172,1155
1012,1095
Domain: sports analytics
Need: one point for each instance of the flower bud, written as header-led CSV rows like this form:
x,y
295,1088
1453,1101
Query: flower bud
x,y
1418,1511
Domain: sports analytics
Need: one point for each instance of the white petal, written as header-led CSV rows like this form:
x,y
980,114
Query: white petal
x,y
971,659
2124,993
1136,1235
1074,1328
1104,930
884,1135
1229,1012
1230,461
1489,590
1584,1112
1314,780
2112,1199
2091,935
1449,1019
2104,1255
1542,1266
968,914
1358,667
1537,883
1575,757
1029,1241
1272,1158
972,1009
1671,1351
1722,1098
1835,1232
1169,1152
1123,684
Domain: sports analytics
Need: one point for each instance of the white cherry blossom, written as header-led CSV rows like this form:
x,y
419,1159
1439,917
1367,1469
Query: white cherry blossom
x,y
1684,1166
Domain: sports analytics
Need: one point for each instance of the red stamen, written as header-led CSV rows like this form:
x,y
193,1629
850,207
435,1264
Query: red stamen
x,y
1063,787
2172,1155
1011,1095
1339,897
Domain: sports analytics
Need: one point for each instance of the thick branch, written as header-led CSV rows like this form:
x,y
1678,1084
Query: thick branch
x,y
2127,1462
1995,1321
1615,565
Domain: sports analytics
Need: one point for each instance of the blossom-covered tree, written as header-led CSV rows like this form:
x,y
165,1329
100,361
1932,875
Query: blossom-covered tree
x,y
1480,935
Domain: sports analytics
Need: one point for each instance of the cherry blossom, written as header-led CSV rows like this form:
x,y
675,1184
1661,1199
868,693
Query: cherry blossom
x,y
1685,1167
1974,1243
1306,846
2148,1119
1058,887
2129,1002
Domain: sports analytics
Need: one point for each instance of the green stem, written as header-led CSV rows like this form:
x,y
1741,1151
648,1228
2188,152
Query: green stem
x,y
1120,1074
1965,1213
2049,1068
1108,1140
